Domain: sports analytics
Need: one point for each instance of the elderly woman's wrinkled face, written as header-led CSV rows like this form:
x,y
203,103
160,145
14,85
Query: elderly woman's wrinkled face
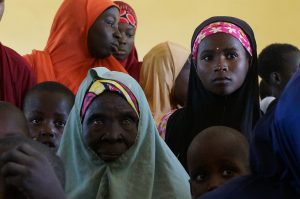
x,y
222,63
110,126
103,36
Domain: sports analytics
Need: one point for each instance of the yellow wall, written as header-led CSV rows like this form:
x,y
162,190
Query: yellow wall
x,y
26,24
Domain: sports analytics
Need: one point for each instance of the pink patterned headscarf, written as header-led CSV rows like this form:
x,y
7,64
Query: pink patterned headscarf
x,y
221,27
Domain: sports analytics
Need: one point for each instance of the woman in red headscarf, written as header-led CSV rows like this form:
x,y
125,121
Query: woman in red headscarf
x,y
83,35
127,54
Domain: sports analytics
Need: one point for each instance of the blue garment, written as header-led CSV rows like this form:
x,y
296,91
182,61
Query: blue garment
x,y
275,153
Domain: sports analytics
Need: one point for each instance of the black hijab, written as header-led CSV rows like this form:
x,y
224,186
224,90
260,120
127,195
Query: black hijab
x,y
239,110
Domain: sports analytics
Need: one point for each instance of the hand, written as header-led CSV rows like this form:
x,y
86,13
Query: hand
x,y
31,172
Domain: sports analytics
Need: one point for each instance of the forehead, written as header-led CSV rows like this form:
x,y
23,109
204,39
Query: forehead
x,y
48,100
218,146
111,11
109,101
221,41
126,27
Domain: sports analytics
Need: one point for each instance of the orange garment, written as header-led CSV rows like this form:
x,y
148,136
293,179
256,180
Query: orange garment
x,y
66,58
160,68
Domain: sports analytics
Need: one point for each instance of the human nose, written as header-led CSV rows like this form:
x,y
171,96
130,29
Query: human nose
x,y
113,133
214,182
123,39
221,65
48,130
117,33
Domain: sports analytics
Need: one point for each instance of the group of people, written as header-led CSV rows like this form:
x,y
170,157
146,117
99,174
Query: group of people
x,y
84,118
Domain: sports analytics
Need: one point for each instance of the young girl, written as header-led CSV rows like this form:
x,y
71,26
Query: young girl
x,y
111,148
223,86
126,53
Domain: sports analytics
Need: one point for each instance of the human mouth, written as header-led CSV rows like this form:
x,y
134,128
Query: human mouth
x,y
109,157
49,144
222,80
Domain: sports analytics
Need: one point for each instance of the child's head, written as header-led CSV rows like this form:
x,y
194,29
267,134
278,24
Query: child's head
x,y
12,121
9,143
276,65
216,155
47,107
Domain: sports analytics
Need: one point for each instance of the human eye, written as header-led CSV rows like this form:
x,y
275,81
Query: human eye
x,y
35,121
231,55
110,21
130,34
200,177
206,57
60,123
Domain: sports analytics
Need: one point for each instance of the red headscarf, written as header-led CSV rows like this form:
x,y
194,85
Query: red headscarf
x,y
131,63
66,58
15,76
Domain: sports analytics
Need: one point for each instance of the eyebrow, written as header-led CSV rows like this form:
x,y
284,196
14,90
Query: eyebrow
x,y
226,49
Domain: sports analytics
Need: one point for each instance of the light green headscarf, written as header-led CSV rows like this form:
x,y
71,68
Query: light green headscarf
x,y
148,170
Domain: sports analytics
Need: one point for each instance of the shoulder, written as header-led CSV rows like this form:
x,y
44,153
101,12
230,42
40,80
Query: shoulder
x,y
247,187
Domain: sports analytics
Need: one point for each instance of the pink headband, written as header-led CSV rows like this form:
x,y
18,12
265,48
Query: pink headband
x,y
221,27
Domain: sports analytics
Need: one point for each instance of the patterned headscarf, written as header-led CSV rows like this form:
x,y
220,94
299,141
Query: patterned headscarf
x,y
221,27
127,14
99,86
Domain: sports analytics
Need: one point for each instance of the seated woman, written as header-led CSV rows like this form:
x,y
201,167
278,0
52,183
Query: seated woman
x,y
223,85
78,42
275,153
15,74
161,66
111,148
127,54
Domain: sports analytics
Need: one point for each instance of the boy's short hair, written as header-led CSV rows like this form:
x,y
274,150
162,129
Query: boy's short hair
x,y
272,58
55,161
50,86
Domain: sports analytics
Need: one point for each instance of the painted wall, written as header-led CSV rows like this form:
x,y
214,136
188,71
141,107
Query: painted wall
x,y
26,24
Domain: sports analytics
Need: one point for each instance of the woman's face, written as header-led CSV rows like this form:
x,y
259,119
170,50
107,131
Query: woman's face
x,y
110,126
222,63
125,42
104,34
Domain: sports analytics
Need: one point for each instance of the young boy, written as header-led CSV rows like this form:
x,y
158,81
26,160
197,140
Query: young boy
x,y
276,65
47,107
216,155
12,121
29,170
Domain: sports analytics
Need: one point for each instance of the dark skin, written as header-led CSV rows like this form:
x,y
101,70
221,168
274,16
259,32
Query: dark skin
x,y
12,122
31,173
110,126
125,42
279,79
214,158
180,88
222,63
104,34
47,114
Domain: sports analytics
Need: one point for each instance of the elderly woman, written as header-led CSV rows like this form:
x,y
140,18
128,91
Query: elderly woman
x,y
78,42
111,148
